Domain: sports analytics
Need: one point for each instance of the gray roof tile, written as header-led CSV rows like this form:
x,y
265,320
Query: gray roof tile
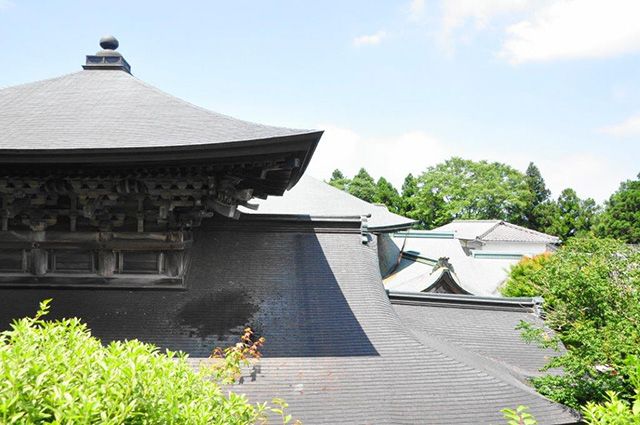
x,y
485,328
495,230
314,198
94,109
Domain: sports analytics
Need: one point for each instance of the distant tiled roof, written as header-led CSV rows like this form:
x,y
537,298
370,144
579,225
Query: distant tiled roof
x,y
95,109
508,232
335,350
495,230
467,229
478,276
315,198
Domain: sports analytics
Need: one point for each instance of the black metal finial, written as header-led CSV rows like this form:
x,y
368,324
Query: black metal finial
x,y
109,42
107,58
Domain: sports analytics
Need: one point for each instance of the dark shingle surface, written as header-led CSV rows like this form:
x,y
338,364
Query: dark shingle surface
x,y
315,198
336,350
488,331
112,109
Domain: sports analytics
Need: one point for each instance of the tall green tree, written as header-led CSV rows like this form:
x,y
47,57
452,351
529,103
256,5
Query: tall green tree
x,y
464,189
621,216
363,186
540,195
387,194
407,195
338,180
568,216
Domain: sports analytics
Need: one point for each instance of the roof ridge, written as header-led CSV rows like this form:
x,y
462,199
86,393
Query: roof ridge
x,y
491,229
526,229
462,220
522,229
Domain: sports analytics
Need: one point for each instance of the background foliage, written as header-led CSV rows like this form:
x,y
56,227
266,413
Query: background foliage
x,y
591,289
522,280
621,216
464,189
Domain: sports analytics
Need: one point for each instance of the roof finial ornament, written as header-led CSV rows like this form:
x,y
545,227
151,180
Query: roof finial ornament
x,y
107,58
109,42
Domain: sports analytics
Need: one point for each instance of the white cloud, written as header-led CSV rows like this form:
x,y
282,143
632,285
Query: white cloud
x,y
392,157
456,13
370,40
395,156
629,127
570,29
6,4
588,174
416,9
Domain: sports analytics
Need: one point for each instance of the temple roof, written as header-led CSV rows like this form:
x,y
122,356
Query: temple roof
x,y
485,326
474,274
103,114
333,339
111,109
317,199
495,230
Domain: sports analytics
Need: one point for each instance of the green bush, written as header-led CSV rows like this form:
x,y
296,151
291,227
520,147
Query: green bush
x,y
55,372
615,410
522,280
519,416
591,289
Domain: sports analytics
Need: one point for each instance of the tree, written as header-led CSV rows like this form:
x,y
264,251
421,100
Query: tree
x,y
408,192
621,216
568,216
540,193
522,277
363,186
387,194
591,291
338,180
464,189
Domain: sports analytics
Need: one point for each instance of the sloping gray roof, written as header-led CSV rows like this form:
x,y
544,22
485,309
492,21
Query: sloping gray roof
x,y
94,109
336,350
484,326
495,230
513,233
314,198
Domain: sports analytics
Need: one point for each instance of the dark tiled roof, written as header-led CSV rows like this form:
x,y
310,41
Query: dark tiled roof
x,y
482,325
314,198
96,109
336,350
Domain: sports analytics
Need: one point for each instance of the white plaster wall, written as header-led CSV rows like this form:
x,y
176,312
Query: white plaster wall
x,y
514,247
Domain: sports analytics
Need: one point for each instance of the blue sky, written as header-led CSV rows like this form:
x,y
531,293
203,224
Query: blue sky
x,y
397,85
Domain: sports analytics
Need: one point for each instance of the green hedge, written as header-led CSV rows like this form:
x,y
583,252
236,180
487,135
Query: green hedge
x,y
55,372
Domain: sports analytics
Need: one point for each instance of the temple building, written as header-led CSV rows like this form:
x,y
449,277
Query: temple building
x,y
462,257
151,218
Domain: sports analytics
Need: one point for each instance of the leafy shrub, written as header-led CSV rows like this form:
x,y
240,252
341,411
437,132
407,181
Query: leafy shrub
x,y
55,372
519,416
522,277
616,410
591,289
